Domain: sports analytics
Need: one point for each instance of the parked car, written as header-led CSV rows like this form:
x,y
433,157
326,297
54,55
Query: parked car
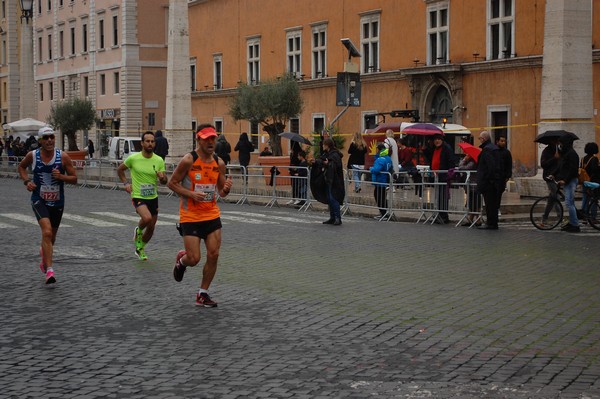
x,y
119,148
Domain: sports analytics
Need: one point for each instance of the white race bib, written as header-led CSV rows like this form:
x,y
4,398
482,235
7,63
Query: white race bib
x,y
147,190
208,189
50,193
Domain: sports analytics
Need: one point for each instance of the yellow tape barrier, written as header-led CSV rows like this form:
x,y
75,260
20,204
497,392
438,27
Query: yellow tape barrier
x,y
471,129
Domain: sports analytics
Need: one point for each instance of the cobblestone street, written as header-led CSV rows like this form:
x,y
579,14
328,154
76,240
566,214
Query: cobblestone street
x,y
367,309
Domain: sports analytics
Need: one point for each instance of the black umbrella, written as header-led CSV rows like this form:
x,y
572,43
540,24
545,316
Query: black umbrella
x,y
548,136
295,137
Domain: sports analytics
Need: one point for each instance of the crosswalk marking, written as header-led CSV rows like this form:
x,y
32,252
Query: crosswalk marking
x,y
116,219
131,218
92,221
275,217
25,218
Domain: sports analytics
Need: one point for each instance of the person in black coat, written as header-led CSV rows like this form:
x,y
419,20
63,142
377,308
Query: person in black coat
x,y
441,159
161,145
333,169
244,147
490,179
223,149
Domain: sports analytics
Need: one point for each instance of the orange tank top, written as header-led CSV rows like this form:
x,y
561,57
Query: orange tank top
x,y
203,177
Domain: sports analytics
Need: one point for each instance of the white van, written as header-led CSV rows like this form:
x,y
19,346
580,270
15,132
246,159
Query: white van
x,y
119,148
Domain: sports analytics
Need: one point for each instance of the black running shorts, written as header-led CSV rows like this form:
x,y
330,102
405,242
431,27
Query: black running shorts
x,y
152,204
201,229
54,213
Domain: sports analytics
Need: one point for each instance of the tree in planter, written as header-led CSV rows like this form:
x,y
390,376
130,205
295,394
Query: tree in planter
x,y
69,116
271,104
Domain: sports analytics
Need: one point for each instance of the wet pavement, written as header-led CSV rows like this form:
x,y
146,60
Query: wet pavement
x,y
367,309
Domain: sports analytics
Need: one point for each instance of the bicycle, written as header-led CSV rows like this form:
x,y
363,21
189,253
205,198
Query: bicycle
x,y
592,191
547,212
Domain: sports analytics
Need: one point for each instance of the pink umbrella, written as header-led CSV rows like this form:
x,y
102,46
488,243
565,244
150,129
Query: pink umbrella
x,y
423,129
470,150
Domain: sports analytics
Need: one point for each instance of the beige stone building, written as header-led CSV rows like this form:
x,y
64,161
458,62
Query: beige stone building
x,y
10,62
475,62
112,52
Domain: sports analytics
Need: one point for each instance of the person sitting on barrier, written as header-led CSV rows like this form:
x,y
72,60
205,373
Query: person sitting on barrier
x,y
266,152
380,175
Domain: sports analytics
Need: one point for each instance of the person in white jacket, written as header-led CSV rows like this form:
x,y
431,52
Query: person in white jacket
x,y
392,146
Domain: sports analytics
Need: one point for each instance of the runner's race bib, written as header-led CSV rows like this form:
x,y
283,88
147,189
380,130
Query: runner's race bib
x,y
50,193
208,189
147,190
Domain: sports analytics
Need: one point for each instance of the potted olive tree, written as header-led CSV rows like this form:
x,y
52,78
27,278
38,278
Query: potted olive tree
x,y
271,103
70,116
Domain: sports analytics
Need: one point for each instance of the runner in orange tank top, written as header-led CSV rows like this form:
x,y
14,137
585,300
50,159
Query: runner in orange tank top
x,y
198,178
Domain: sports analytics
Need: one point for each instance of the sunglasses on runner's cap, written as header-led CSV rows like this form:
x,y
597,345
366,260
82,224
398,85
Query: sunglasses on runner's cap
x,y
51,137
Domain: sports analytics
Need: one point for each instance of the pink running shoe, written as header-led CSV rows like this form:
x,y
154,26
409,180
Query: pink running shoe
x,y
50,277
179,269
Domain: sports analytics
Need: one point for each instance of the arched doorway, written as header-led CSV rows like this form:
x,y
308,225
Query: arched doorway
x,y
440,105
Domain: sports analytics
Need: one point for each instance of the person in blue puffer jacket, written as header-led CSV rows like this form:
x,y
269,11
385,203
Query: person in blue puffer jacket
x,y
380,175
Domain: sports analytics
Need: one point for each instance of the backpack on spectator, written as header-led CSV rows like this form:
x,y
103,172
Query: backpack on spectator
x,y
583,175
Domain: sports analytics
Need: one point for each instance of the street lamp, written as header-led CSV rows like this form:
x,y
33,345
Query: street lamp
x,y
27,108
26,10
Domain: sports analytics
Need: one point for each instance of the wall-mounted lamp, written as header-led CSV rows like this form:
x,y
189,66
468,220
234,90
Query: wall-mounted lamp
x,y
476,56
461,107
418,62
26,10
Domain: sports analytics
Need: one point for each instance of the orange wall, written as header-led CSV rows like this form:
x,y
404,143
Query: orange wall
x,y
403,38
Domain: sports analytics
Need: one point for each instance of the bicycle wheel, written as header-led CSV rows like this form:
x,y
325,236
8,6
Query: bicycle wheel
x,y
591,213
546,213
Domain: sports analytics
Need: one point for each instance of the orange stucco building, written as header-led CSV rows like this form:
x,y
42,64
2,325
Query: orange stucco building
x,y
475,62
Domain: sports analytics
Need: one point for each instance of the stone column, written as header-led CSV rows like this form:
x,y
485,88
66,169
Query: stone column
x,y
178,117
567,86
131,71
27,102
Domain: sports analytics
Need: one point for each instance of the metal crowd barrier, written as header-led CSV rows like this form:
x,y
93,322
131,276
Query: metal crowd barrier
x,y
279,184
421,196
